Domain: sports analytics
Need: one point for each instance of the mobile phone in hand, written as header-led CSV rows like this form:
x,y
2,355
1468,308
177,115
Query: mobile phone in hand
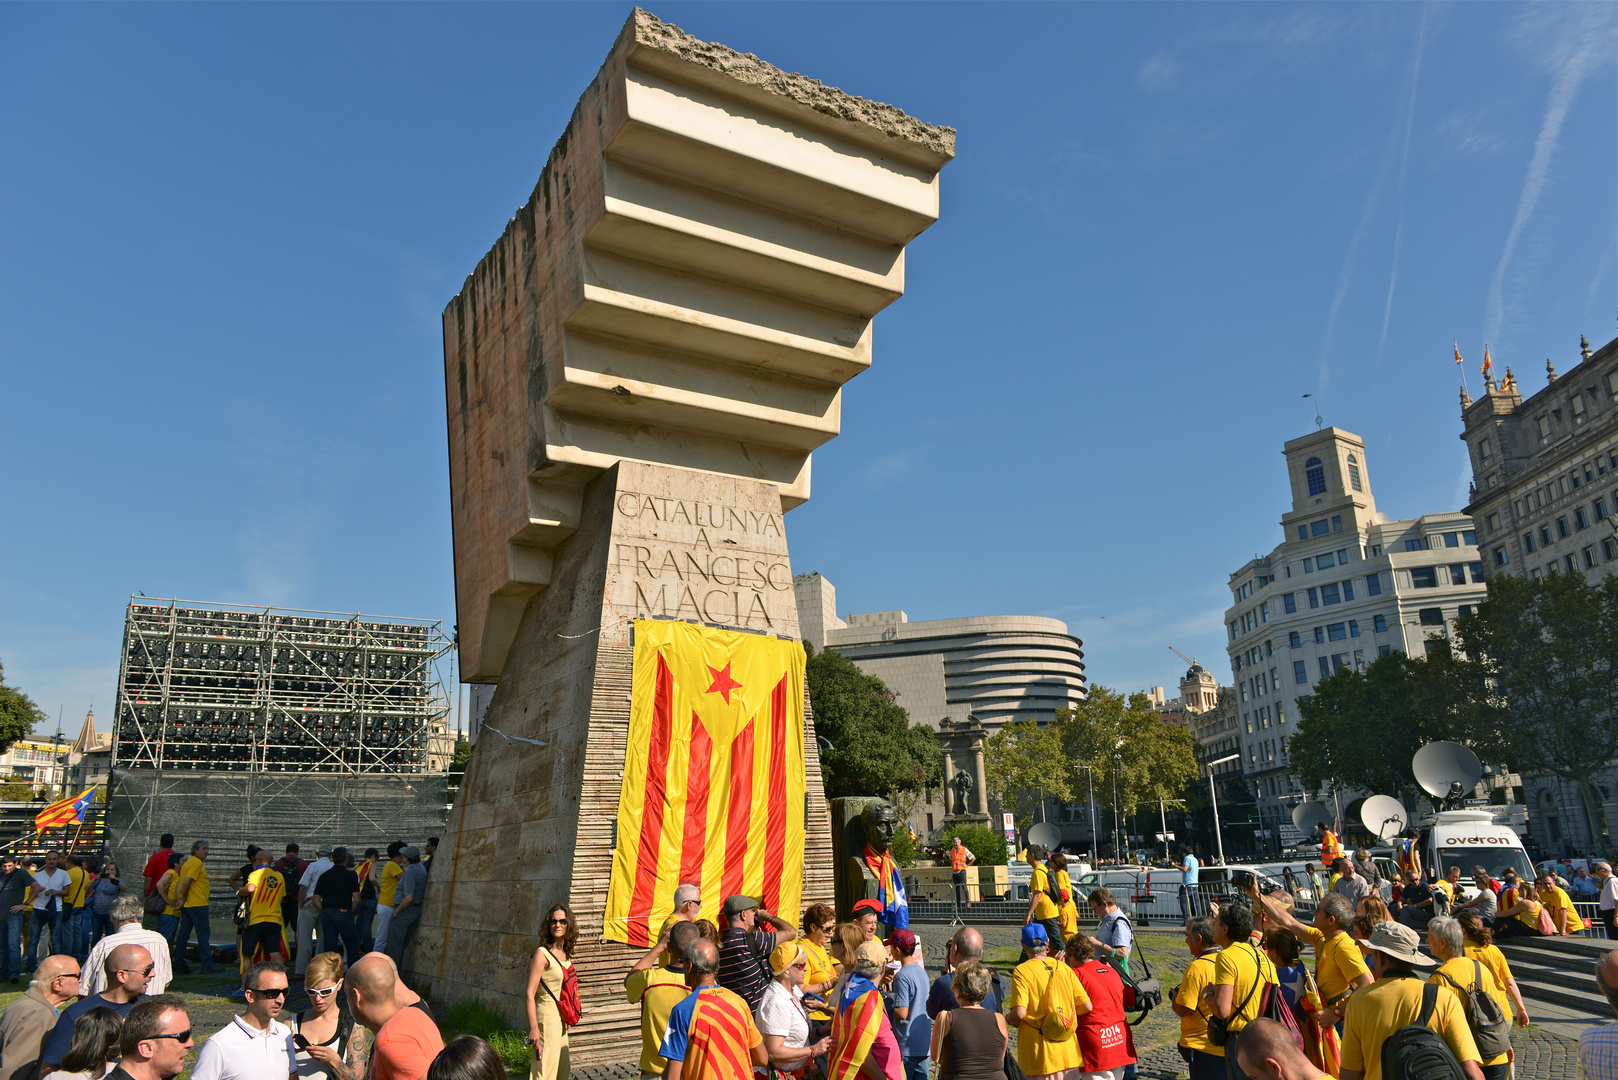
x,y
299,1041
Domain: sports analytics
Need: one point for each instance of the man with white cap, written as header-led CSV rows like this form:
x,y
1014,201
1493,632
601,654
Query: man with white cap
x,y
1399,998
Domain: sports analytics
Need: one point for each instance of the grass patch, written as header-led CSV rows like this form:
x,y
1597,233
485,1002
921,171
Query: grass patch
x,y
472,1017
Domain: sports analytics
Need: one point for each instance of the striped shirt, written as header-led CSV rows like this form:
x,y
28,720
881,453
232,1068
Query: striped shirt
x,y
712,1032
1598,1052
742,970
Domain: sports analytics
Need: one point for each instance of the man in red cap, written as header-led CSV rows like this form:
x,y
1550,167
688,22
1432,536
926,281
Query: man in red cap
x,y
913,1029
867,913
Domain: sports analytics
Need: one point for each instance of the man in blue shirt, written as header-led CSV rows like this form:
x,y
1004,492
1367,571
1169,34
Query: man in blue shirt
x,y
914,1029
1189,868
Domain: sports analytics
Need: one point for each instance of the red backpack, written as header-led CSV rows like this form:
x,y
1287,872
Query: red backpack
x,y
567,1002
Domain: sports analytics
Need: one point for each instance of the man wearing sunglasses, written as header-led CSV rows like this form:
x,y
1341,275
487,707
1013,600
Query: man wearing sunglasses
x,y
128,968
155,1041
254,1045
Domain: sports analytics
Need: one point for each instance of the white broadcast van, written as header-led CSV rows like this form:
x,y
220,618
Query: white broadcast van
x,y
1470,838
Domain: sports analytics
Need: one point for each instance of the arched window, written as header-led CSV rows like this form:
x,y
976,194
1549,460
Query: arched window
x,y
1354,473
1316,475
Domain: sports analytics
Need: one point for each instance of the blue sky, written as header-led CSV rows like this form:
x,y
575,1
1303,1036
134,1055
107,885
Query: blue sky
x,y
229,230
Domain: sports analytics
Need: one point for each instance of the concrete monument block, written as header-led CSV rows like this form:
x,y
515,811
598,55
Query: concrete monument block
x,y
636,375
691,282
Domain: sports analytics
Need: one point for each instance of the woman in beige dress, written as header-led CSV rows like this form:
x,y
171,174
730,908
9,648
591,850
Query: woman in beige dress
x,y
551,962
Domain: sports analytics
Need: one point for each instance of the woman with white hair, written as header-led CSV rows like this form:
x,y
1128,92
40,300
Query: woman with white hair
x,y
781,1016
1462,974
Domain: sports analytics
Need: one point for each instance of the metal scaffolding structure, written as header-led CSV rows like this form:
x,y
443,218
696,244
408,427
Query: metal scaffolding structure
x,y
221,688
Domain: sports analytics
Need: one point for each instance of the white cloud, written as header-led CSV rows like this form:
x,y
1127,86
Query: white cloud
x,y
1159,74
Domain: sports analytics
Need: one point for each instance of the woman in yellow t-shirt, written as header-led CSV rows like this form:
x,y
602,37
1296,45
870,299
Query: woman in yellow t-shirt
x,y
168,923
1480,946
820,977
1519,909
1067,912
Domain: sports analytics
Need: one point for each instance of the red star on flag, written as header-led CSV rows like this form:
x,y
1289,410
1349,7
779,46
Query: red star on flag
x,y
722,682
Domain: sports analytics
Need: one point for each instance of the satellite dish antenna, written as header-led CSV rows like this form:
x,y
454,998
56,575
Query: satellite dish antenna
x,y
1440,765
1046,835
1384,816
1307,815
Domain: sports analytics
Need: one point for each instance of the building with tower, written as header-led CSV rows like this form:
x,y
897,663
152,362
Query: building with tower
x,y
1345,585
1545,501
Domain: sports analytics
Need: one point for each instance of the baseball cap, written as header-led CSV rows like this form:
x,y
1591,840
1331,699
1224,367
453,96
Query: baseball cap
x,y
871,954
1398,941
411,852
1034,934
868,904
735,905
903,940
323,849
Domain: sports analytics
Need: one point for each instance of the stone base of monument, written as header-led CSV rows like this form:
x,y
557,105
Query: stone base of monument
x,y
533,825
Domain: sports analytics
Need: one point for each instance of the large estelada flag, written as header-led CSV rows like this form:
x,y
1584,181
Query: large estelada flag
x,y
64,811
713,791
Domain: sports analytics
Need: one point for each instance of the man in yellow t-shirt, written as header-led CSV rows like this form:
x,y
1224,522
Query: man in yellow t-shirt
x,y
193,897
1041,907
657,989
1395,1001
1559,906
387,883
1339,965
1207,1060
1237,992
1038,1056
265,888
75,920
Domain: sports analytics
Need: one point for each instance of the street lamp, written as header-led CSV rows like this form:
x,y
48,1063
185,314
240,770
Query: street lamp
x,y
1214,795
1095,853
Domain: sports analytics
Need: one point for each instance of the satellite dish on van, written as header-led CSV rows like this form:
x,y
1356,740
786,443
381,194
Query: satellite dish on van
x,y
1046,835
1384,816
1440,765
1307,815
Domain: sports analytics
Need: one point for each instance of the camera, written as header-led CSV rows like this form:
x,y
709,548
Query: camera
x,y
1241,879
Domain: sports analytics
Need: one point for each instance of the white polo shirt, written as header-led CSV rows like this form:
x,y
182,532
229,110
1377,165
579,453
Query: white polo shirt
x,y
241,1052
51,879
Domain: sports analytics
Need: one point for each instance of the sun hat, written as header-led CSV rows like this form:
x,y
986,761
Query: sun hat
x,y
785,955
1398,941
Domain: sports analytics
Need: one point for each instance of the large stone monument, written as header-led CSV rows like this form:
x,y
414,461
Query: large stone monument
x,y
636,375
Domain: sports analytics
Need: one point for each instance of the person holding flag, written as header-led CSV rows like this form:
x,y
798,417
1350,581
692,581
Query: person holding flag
x,y
863,1043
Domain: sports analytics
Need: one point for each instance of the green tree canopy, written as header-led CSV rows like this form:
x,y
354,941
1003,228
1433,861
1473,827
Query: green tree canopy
x,y
989,846
1023,765
18,713
1544,668
1125,739
874,750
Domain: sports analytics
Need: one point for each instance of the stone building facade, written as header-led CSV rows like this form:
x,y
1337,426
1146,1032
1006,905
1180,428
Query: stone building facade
x,y
965,677
1544,500
1345,585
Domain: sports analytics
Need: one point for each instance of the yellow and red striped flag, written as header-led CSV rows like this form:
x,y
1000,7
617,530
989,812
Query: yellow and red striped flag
x,y
64,811
854,1028
713,788
1458,359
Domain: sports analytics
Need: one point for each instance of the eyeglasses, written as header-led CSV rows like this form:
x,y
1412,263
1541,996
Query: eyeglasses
x,y
178,1036
147,970
68,975
323,992
270,991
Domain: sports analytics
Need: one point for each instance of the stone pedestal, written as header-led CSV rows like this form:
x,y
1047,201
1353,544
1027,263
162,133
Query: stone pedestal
x,y
533,825
963,753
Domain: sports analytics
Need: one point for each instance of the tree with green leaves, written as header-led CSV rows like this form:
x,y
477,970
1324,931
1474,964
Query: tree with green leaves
x,y
1544,659
1124,740
1024,765
873,748
986,844
18,713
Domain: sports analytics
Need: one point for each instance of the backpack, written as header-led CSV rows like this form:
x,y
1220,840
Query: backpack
x,y
1144,993
1491,1027
567,1002
1416,1051
1057,1021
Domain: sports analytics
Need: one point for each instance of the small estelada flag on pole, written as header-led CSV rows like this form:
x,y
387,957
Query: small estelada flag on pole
x,y
1458,360
713,785
64,811
1488,365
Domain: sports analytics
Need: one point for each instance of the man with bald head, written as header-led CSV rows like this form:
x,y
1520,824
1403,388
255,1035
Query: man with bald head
x,y
711,1034
1266,1052
407,1040
128,969
967,944
1598,1046
31,1018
